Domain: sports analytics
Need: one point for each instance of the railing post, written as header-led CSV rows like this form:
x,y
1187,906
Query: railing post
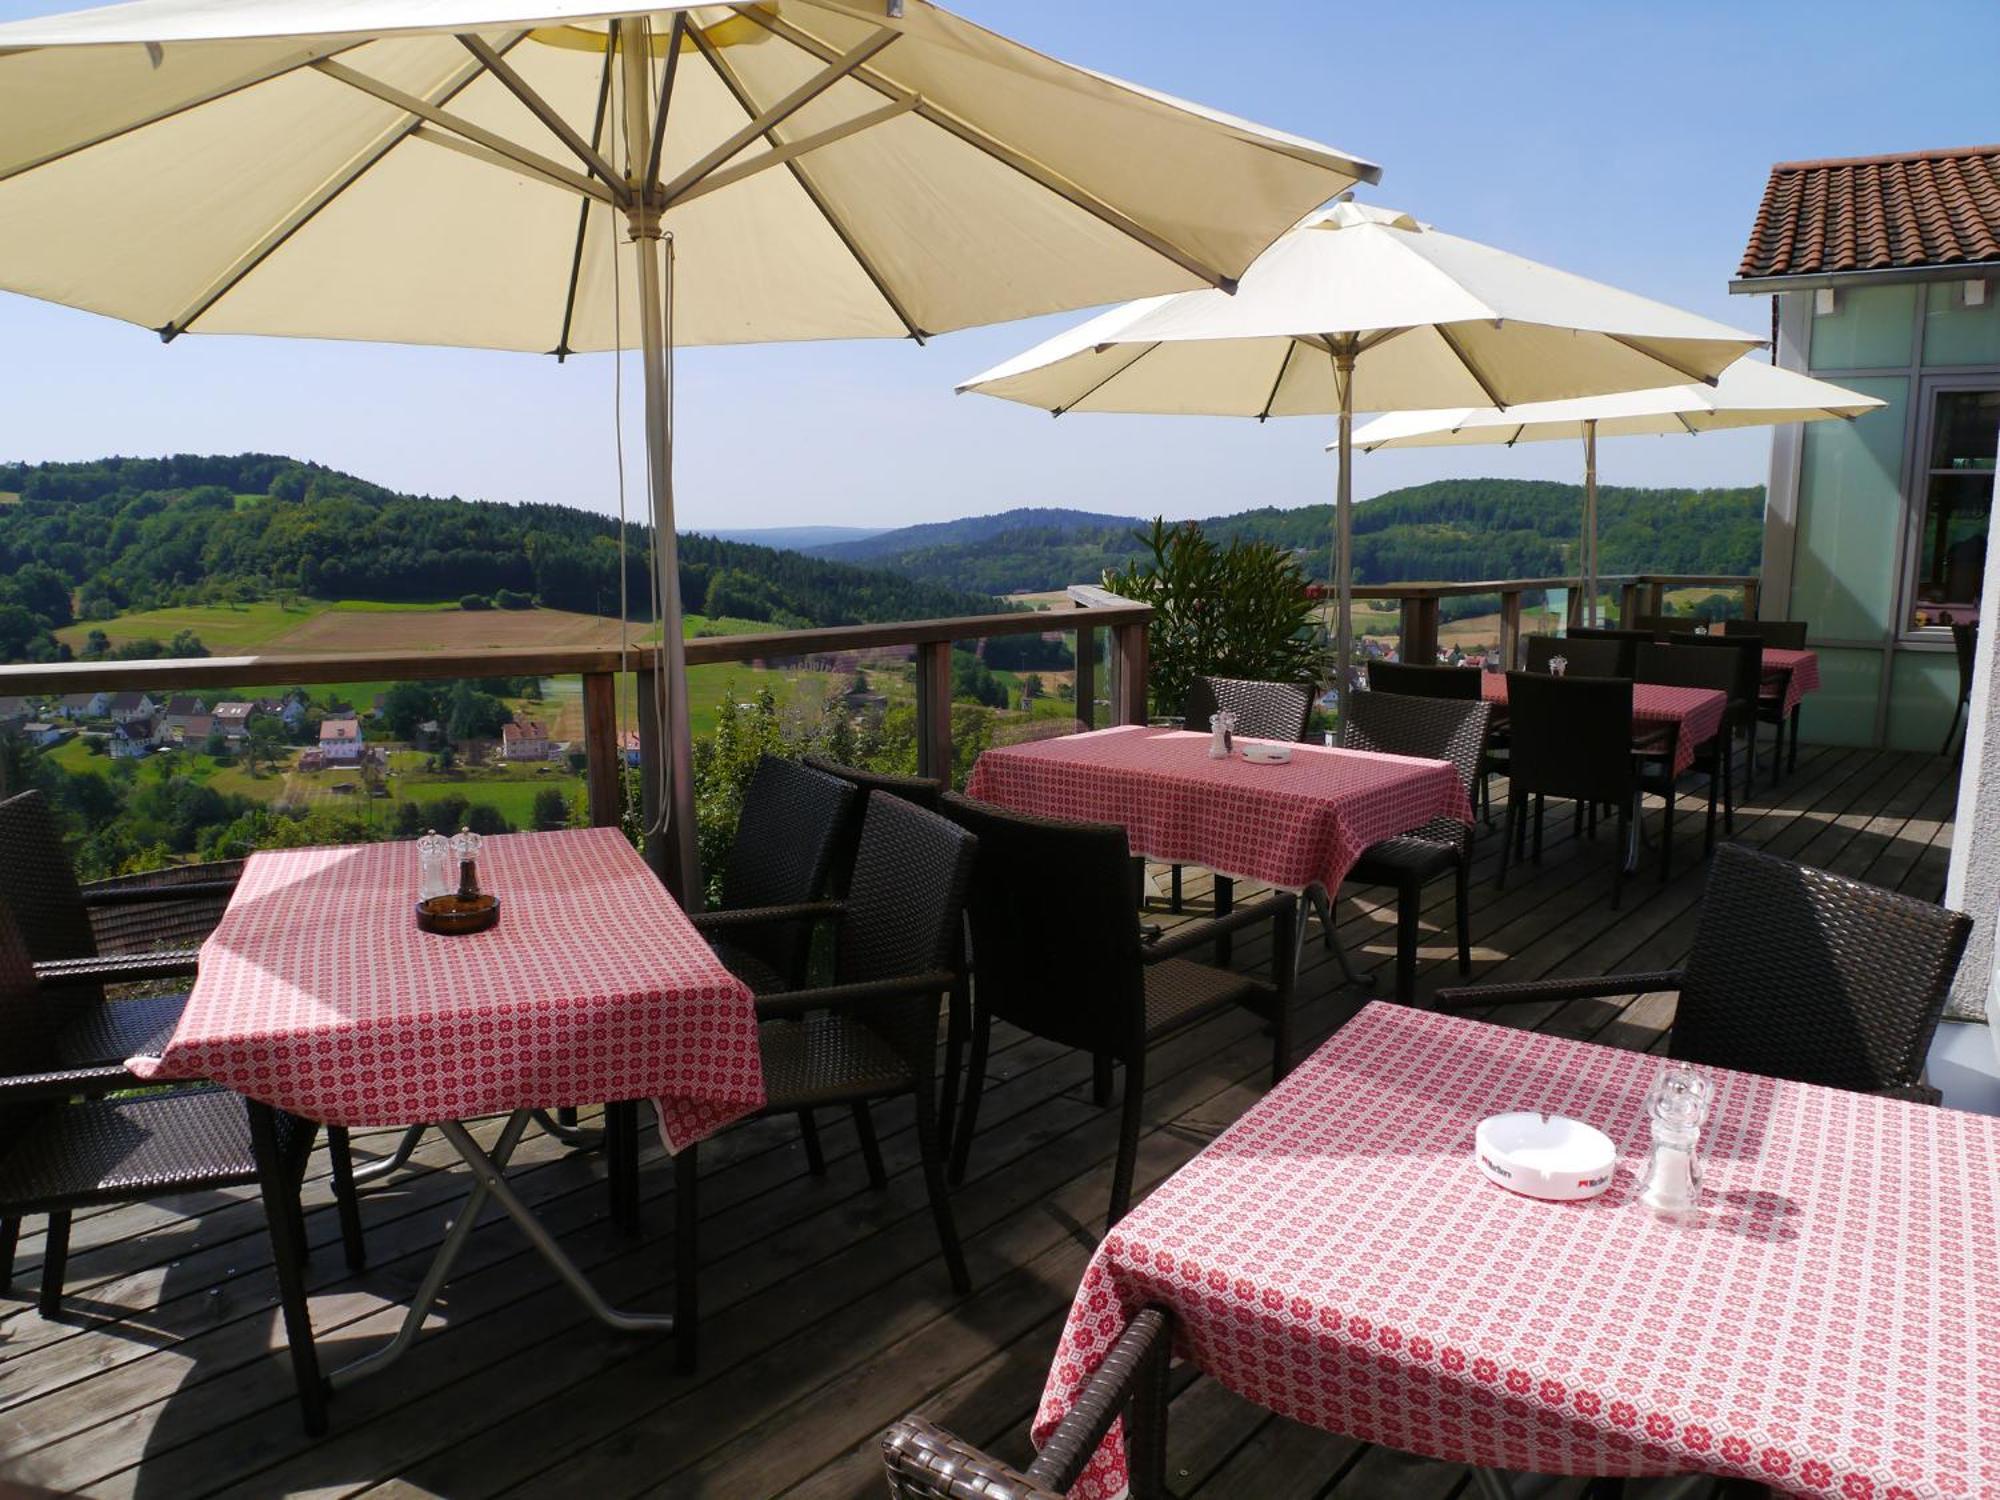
x,y
1086,673
1572,607
1510,629
1628,606
603,771
934,709
1749,598
1128,674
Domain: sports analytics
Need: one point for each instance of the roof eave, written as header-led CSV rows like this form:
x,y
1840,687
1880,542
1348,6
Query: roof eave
x,y
1965,270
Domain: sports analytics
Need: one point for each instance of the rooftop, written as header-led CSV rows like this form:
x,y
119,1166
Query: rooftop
x,y
1925,210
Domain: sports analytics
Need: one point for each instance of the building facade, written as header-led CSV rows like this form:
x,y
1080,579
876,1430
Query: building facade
x,y
1885,277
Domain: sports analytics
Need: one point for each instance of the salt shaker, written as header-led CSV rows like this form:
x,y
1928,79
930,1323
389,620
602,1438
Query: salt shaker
x,y
1558,665
465,852
1676,1108
433,866
1221,737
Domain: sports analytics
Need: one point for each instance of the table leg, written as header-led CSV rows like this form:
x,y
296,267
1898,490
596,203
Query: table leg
x,y
567,1132
492,1177
440,1267
280,1188
395,1161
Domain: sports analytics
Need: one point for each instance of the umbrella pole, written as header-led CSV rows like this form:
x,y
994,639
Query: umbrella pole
x,y
655,258
1591,523
1343,530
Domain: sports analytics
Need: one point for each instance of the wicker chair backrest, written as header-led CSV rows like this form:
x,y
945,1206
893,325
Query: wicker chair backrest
x,y
1801,974
1055,934
1785,635
1749,659
1264,710
1571,736
1585,657
904,904
1670,624
1433,728
1674,664
1414,681
1627,641
28,1018
924,791
37,883
794,820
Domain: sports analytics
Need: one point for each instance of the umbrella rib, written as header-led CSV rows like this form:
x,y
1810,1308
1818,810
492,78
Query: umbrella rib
x,y
1291,347
1688,371
181,107
1036,172
478,135
779,155
540,108
1072,406
304,214
741,93
675,37
773,115
583,208
1458,352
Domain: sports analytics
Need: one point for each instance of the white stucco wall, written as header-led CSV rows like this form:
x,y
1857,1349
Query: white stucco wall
x,y
1973,885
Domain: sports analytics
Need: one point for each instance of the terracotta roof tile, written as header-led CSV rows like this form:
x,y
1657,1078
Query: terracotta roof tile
x,y
1877,213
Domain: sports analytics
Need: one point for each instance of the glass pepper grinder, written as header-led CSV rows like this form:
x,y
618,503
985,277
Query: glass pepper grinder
x,y
1677,1107
465,852
433,866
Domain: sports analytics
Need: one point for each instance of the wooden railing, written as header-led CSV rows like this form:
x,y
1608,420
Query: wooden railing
x,y
1093,610
1638,594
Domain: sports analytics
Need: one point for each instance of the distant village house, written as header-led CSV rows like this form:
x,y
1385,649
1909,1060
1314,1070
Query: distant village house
x,y
340,741
233,719
524,740
130,708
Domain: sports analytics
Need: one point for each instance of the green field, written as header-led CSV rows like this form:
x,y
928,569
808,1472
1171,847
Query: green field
x,y
222,627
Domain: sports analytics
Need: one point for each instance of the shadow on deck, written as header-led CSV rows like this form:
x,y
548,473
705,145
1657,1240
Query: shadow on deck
x,y
827,1312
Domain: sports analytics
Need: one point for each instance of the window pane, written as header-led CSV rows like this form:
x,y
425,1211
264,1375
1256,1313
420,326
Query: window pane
x,y
1851,519
1955,334
1870,328
1958,505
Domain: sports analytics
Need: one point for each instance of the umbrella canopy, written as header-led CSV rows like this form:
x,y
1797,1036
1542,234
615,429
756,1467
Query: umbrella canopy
x,y
471,172
1365,308
1749,393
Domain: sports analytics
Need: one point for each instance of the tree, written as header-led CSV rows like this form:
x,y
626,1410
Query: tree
x,y
186,643
973,682
96,644
263,741
1031,688
485,819
409,820
551,808
474,601
472,715
406,705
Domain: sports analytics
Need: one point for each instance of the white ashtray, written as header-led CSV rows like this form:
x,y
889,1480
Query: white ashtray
x,y
1545,1156
1267,755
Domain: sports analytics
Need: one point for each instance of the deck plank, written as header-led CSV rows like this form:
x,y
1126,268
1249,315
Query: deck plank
x,y
825,1309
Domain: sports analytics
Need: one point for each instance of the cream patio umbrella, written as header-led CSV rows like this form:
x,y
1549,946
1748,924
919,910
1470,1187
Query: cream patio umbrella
x,y
463,172
1363,308
1749,393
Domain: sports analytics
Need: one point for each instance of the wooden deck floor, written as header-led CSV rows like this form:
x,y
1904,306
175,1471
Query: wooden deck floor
x,y
826,1312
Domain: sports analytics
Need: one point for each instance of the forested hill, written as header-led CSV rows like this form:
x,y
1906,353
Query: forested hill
x,y
123,534
1453,529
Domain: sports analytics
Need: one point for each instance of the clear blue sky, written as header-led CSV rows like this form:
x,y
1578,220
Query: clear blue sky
x,y
1627,143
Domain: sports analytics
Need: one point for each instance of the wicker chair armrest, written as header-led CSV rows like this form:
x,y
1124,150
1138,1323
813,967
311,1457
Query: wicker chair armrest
x,y
67,1083
1140,1355
743,917
1187,938
1911,1093
118,968
853,996
1597,986
924,1459
192,890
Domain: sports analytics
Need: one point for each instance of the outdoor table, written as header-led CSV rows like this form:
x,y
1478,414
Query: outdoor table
x,y
1686,717
318,996
1293,826
1796,671
1824,1322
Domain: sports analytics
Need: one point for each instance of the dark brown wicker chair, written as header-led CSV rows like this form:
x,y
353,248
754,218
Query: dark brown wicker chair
x,y
1748,684
65,1146
795,821
1572,737
1965,641
1060,955
1416,681
1628,642
871,1033
1779,635
1661,626
1794,973
1672,664
1583,657
927,1463
1397,724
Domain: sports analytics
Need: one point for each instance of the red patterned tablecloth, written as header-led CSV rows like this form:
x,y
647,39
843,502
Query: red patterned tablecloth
x,y
1828,1322
1293,825
317,994
1696,712
1803,670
